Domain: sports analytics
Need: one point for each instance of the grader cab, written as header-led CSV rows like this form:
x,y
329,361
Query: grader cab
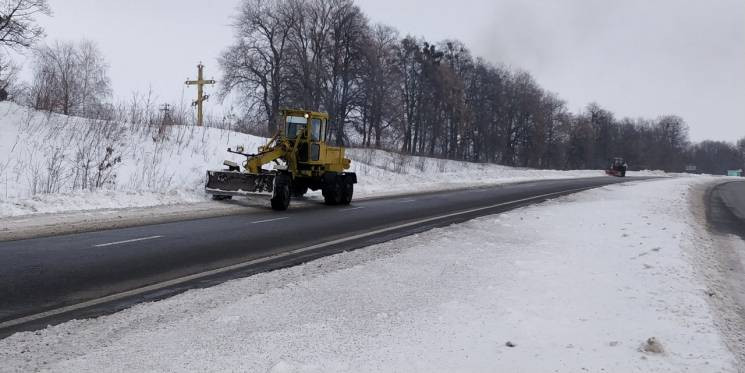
x,y
302,161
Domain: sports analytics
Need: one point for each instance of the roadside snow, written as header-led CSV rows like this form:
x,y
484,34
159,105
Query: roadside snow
x,y
577,284
47,159
384,173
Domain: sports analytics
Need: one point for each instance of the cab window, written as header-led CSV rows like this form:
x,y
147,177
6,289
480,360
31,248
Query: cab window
x,y
315,129
295,126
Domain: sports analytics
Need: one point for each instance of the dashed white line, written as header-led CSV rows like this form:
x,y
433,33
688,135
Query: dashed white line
x,y
268,220
406,201
127,241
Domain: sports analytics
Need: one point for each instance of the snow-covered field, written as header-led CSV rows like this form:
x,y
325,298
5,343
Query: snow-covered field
x,y
49,162
577,284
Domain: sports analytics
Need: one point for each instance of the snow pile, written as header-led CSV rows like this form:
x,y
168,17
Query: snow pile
x,y
531,291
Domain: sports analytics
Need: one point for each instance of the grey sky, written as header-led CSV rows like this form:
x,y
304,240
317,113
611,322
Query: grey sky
x,y
634,57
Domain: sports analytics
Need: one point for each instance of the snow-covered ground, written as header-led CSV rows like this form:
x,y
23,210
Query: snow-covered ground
x,y
48,162
571,285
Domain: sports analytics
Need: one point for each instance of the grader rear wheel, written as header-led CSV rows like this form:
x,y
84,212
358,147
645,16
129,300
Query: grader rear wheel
x,y
332,193
347,192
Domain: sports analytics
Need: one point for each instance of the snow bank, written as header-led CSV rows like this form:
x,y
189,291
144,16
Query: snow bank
x,y
48,163
579,284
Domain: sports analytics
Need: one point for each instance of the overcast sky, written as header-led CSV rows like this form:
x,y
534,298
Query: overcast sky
x,y
634,57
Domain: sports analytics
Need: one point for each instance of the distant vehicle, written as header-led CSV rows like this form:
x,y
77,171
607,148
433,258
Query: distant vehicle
x,y
617,167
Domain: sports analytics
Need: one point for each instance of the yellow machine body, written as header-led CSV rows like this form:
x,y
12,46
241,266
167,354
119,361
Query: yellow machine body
x,y
310,163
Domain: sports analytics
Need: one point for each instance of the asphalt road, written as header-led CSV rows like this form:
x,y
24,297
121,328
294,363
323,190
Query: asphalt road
x,y
726,207
54,279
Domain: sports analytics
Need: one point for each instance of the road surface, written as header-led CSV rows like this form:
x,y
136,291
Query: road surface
x,y
54,279
726,207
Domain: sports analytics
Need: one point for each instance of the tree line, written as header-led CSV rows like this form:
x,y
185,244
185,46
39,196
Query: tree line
x,y
381,90
436,99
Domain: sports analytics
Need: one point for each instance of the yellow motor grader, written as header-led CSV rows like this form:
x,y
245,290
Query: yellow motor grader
x,y
302,160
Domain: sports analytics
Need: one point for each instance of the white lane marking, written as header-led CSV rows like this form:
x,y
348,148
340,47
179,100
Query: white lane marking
x,y
353,208
238,266
268,220
406,201
127,241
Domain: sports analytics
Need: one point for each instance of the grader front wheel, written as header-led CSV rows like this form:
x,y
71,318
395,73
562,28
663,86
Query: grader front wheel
x,y
281,197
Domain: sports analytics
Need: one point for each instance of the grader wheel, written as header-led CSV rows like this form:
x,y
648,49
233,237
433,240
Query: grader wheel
x,y
281,195
332,193
347,192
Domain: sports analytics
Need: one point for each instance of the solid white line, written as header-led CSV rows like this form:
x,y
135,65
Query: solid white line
x,y
238,266
268,220
127,241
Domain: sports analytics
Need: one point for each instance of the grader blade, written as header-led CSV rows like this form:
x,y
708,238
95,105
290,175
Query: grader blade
x,y
235,183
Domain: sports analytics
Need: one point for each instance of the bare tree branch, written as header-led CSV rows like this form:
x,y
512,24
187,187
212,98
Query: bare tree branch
x,y
18,28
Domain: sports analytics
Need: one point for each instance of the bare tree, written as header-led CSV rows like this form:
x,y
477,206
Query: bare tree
x,y
9,87
257,63
309,40
380,78
18,28
70,78
671,134
343,59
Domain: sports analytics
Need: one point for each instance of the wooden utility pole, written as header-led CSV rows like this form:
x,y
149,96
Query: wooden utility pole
x,y
166,120
201,97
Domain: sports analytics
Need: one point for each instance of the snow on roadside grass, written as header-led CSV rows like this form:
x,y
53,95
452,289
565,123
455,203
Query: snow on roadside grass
x,y
383,173
44,157
574,285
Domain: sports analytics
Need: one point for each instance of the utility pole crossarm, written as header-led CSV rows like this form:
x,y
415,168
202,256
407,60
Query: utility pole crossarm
x,y
197,82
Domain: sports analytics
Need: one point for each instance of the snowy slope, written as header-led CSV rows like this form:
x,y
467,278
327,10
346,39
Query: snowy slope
x,y
150,172
44,158
569,294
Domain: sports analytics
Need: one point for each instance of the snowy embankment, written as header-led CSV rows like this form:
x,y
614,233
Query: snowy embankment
x,y
53,163
576,284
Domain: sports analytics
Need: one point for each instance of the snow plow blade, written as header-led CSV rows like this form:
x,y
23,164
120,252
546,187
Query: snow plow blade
x,y
235,183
